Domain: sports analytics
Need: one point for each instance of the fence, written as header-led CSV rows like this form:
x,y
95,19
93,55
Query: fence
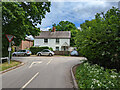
x,y
61,52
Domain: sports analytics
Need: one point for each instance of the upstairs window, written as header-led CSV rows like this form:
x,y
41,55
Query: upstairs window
x,y
45,40
57,41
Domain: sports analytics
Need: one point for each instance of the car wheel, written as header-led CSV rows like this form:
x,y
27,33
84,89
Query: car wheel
x,y
50,54
25,54
39,54
14,54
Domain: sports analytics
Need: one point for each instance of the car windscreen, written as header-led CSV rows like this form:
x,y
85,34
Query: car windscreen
x,y
19,51
23,50
45,51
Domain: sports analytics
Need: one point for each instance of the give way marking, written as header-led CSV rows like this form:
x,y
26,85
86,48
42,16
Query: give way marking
x,y
34,63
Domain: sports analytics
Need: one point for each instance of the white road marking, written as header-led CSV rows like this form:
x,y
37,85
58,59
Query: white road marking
x,y
49,62
29,81
33,63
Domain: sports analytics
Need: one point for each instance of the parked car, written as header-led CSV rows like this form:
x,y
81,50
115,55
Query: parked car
x,y
22,52
45,52
74,53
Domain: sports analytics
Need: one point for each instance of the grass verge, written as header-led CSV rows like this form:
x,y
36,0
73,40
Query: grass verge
x,y
5,65
94,76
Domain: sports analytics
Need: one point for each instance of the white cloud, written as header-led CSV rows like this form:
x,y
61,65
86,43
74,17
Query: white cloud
x,y
78,28
83,0
76,12
30,37
45,29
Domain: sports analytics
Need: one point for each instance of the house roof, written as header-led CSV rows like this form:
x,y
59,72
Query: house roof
x,y
56,34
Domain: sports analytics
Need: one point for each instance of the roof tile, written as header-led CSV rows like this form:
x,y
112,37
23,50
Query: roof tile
x,y
56,34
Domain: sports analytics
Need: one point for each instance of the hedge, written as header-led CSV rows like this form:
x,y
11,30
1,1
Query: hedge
x,y
34,50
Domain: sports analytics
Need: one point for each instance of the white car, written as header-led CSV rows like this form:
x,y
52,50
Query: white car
x,y
74,53
45,52
22,52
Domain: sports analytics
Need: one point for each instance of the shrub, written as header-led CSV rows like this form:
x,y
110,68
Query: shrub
x,y
34,50
51,49
99,39
94,76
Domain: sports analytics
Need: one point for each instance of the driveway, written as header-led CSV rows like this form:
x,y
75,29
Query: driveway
x,y
41,72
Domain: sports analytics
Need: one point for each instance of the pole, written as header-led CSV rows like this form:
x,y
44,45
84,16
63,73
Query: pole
x,y
9,53
1,61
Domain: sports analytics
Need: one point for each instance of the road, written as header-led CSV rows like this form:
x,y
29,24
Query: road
x,y
41,72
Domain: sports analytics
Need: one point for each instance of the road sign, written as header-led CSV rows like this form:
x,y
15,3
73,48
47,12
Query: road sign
x,y
9,37
9,49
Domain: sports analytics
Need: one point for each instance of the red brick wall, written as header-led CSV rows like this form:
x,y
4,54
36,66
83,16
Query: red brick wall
x,y
26,44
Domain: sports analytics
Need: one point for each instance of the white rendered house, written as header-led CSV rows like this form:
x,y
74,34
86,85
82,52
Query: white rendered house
x,y
58,40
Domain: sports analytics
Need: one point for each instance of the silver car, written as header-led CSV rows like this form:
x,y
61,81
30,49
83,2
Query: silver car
x,y
74,53
45,52
22,52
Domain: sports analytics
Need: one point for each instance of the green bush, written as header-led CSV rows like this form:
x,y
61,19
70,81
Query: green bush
x,y
94,76
99,39
51,49
34,50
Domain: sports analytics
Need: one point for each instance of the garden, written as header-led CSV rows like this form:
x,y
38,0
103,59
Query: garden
x,y
94,76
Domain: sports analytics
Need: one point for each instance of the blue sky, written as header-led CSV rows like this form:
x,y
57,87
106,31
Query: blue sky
x,y
75,12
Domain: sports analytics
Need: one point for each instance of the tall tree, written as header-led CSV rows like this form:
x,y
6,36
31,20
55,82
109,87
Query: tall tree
x,y
67,26
0,29
20,19
99,39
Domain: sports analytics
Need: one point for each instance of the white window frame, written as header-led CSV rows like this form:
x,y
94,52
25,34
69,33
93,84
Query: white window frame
x,y
45,41
57,40
57,49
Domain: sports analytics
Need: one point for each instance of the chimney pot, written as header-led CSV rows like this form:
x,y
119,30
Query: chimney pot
x,y
53,30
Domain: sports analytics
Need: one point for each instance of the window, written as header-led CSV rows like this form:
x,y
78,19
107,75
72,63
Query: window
x,y
19,51
57,48
45,40
37,45
57,40
23,50
45,51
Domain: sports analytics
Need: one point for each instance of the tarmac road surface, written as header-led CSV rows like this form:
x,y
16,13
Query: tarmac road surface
x,y
41,72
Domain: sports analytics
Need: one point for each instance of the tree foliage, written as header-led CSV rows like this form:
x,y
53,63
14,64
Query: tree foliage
x,y
20,19
99,39
67,26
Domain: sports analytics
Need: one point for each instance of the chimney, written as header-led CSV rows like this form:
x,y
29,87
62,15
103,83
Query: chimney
x,y
53,30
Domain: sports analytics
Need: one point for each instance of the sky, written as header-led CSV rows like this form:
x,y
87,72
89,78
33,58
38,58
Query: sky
x,y
74,11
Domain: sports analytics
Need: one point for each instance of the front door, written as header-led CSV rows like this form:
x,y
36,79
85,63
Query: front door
x,y
64,48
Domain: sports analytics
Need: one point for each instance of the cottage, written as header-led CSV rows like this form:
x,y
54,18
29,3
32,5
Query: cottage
x,y
58,40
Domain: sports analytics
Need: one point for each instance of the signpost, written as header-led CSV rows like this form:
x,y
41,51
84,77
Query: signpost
x,y
9,37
